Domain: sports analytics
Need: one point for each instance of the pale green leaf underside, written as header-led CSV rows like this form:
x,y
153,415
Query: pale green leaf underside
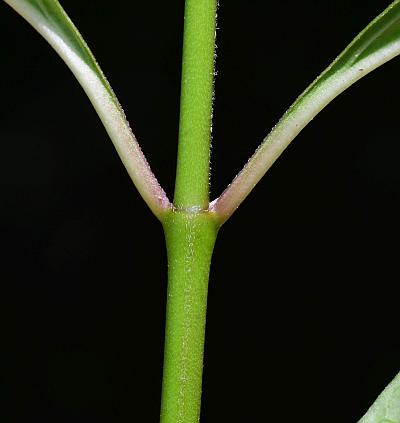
x,y
51,21
52,13
386,409
377,42
375,45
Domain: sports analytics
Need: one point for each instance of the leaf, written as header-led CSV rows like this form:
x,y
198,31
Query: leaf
x,y
375,45
51,21
386,408
54,15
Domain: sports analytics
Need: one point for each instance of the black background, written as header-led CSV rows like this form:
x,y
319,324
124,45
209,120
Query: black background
x,y
303,301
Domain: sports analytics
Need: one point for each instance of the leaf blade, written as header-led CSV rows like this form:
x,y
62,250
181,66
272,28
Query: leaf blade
x,y
51,21
378,43
386,408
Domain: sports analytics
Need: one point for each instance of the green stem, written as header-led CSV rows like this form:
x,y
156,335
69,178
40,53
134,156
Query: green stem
x,y
190,239
193,163
190,229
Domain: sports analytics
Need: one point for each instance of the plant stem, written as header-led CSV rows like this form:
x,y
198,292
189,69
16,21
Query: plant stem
x,y
193,163
190,239
190,229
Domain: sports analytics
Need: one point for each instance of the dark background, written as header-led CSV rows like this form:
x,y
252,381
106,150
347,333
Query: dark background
x,y
303,305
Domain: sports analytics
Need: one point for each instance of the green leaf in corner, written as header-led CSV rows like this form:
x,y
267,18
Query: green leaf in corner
x,y
386,408
51,21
